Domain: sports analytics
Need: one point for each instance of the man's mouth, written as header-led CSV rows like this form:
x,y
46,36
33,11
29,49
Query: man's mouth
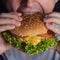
x,y
34,8
31,10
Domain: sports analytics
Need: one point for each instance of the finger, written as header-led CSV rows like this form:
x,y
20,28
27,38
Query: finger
x,y
52,20
12,13
6,27
3,45
4,48
54,14
18,14
53,28
11,16
10,21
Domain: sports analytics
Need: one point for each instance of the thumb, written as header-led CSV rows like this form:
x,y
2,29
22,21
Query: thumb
x,y
52,20
53,28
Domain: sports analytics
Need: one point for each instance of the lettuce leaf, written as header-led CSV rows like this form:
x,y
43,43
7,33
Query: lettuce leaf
x,y
44,45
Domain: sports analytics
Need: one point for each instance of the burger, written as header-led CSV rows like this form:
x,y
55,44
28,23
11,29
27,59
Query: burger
x,y
32,36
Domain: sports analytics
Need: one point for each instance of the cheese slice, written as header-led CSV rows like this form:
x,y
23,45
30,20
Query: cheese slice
x,y
33,40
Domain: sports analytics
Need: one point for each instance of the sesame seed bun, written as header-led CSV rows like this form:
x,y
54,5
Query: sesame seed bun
x,y
31,25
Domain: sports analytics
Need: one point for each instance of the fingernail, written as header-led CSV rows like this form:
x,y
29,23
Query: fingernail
x,y
18,23
19,14
47,24
12,26
46,16
57,26
44,20
20,19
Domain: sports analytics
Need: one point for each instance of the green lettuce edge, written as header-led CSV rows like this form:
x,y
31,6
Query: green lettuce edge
x,y
44,45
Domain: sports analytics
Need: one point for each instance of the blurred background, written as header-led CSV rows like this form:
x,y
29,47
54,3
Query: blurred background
x,y
1,58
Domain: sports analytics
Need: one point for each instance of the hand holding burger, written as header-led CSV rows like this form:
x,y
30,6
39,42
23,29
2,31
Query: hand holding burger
x,y
8,21
53,18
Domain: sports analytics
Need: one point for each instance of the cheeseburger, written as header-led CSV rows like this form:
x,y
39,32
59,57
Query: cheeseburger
x,y
32,36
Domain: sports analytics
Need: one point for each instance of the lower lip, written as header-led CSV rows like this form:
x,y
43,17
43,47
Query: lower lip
x,y
31,11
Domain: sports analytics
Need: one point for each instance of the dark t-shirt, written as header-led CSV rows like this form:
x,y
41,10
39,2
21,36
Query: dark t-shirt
x,y
57,7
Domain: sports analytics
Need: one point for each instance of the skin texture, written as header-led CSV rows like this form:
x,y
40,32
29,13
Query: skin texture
x,y
9,20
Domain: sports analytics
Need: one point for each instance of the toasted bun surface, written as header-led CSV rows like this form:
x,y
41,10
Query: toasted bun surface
x,y
31,25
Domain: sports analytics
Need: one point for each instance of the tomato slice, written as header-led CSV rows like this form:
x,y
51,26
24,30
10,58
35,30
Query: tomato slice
x,y
48,34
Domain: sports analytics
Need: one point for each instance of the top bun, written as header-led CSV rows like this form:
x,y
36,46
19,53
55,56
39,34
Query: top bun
x,y
31,25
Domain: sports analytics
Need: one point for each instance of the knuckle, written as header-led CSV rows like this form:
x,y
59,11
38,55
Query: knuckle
x,y
14,21
14,16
